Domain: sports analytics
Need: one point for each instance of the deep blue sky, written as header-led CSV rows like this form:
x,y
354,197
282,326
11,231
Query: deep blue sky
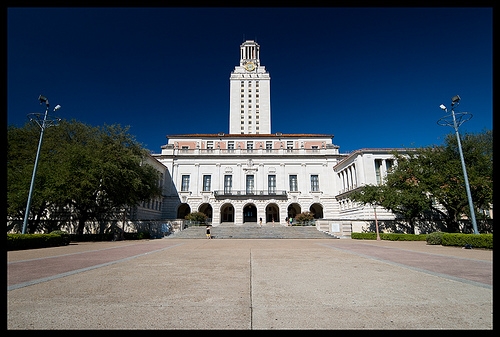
x,y
371,77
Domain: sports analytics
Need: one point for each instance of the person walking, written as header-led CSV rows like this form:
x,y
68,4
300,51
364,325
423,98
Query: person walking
x,y
209,234
260,222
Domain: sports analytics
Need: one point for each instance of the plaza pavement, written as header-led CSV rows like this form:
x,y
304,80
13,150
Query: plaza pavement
x,y
250,284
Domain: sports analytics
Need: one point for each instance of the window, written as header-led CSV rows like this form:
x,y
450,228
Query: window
x,y
389,163
249,145
228,183
269,145
207,179
293,183
210,145
250,184
314,183
271,184
185,183
378,164
230,146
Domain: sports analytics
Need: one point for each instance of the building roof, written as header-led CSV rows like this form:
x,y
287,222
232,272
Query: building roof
x,y
261,135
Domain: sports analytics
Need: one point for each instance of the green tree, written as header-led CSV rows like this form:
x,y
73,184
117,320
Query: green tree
x,y
441,172
197,217
304,217
401,192
431,179
91,172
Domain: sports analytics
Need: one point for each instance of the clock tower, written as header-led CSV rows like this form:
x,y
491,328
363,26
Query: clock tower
x,y
250,102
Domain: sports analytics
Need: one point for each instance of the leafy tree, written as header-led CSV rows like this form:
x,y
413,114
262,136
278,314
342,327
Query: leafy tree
x,y
22,146
91,172
197,217
401,192
304,217
444,179
431,179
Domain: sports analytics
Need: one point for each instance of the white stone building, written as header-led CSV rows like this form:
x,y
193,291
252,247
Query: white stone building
x,y
251,173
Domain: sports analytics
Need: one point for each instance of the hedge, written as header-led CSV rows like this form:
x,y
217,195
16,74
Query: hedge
x,y
31,241
61,238
389,236
469,240
436,238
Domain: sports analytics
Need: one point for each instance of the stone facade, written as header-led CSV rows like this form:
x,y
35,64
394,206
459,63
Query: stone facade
x,y
251,173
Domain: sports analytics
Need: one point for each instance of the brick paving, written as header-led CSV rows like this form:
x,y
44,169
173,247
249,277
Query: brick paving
x,y
250,284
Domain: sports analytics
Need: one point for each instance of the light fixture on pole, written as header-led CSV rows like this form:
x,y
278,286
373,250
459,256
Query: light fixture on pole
x,y
455,119
42,122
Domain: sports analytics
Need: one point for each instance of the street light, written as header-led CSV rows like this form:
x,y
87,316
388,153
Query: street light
x,y
42,123
455,119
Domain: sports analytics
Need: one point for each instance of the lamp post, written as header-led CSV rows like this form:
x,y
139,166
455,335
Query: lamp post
x,y
455,119
376,222
42,123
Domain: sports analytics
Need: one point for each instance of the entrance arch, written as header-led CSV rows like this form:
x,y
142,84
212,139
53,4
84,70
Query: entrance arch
x,y
293,210
183,210
272,212
227,213
317,210
207,210
249,213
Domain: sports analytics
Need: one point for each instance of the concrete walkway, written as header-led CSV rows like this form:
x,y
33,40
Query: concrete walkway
x,y
250,284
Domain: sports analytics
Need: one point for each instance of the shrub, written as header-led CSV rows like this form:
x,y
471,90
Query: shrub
x,y
364,236
31,241
473,240
389,236
65,236
303,217
434,238
402,237
197,217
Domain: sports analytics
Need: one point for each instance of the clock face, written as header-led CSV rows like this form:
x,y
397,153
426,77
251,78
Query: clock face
x,y
250,66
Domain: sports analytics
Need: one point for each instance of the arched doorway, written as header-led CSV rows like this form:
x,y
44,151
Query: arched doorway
x,y
183,210
272,213
249,213
227,213
317,210
293,210
207,210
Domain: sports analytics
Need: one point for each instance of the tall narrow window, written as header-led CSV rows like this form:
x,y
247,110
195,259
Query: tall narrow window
x,y
207,180
250,184
228,184
378,164
185,183
314,183
230,146
269,145
250,146
389,163
293,183
271,184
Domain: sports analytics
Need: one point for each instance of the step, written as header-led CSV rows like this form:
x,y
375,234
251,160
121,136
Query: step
x,y
253,232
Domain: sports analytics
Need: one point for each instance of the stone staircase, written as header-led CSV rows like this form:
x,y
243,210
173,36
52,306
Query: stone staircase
x,y
252,231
